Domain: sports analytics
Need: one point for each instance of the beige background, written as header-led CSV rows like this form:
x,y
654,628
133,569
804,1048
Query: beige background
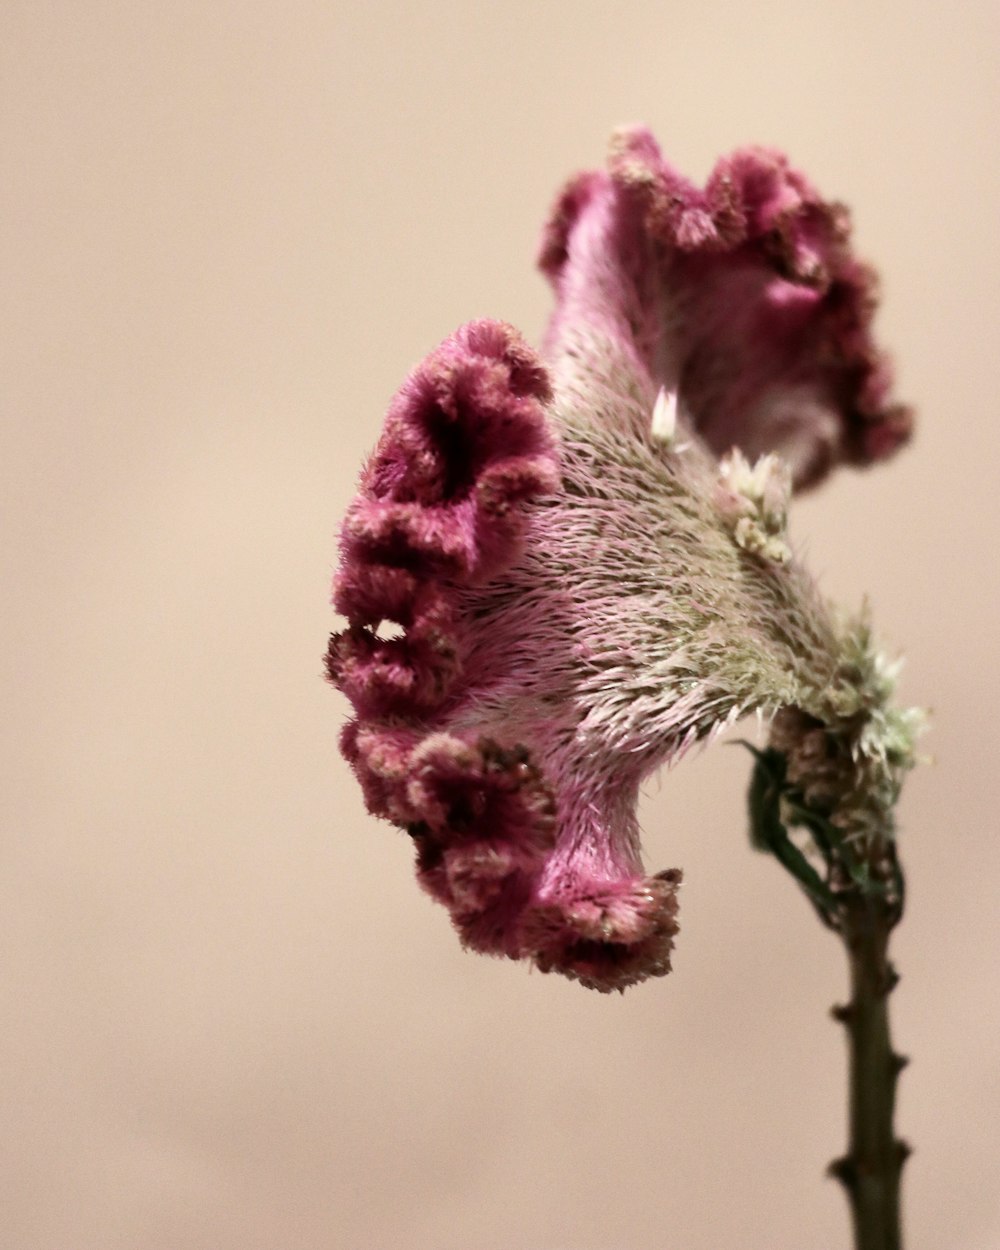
x,y
230,1020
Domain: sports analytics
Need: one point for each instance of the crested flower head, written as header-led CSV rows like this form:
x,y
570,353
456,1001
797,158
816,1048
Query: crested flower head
x,y
562,571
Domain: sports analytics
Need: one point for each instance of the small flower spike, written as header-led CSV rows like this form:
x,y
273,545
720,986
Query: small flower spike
x,y
562,571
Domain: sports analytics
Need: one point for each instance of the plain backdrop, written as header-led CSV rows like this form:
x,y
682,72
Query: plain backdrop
x,y
230,1020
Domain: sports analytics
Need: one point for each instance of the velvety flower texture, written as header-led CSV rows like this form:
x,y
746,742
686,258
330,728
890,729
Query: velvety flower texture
x,y
554,584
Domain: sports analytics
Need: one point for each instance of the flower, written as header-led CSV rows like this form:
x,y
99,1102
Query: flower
x,y
553,584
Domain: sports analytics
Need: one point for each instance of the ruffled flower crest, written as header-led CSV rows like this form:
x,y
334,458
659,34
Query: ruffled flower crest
x,y
552,585
743,298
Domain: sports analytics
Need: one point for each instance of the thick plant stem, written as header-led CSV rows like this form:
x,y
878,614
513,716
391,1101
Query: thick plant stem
x,y
870,1171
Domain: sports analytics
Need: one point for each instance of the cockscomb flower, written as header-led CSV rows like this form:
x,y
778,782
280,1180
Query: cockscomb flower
x,y
564,569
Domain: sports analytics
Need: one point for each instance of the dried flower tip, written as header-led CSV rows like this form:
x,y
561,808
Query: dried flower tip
x,y
848,755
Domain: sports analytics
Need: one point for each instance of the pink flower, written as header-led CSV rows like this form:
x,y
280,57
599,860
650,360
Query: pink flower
x,y
553,587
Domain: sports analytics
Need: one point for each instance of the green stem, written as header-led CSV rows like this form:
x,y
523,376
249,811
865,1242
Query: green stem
x,y
871,1169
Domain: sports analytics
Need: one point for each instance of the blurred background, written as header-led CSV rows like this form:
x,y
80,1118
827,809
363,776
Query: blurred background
x,y
230,1019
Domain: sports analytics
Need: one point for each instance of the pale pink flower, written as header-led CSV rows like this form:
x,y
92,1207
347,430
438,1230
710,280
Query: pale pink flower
x,y
552,584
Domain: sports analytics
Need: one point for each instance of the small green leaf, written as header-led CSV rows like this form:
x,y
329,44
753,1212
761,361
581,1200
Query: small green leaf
x,y
764,797
767,829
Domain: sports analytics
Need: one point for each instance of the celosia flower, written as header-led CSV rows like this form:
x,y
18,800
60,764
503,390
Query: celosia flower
x,y
553,583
